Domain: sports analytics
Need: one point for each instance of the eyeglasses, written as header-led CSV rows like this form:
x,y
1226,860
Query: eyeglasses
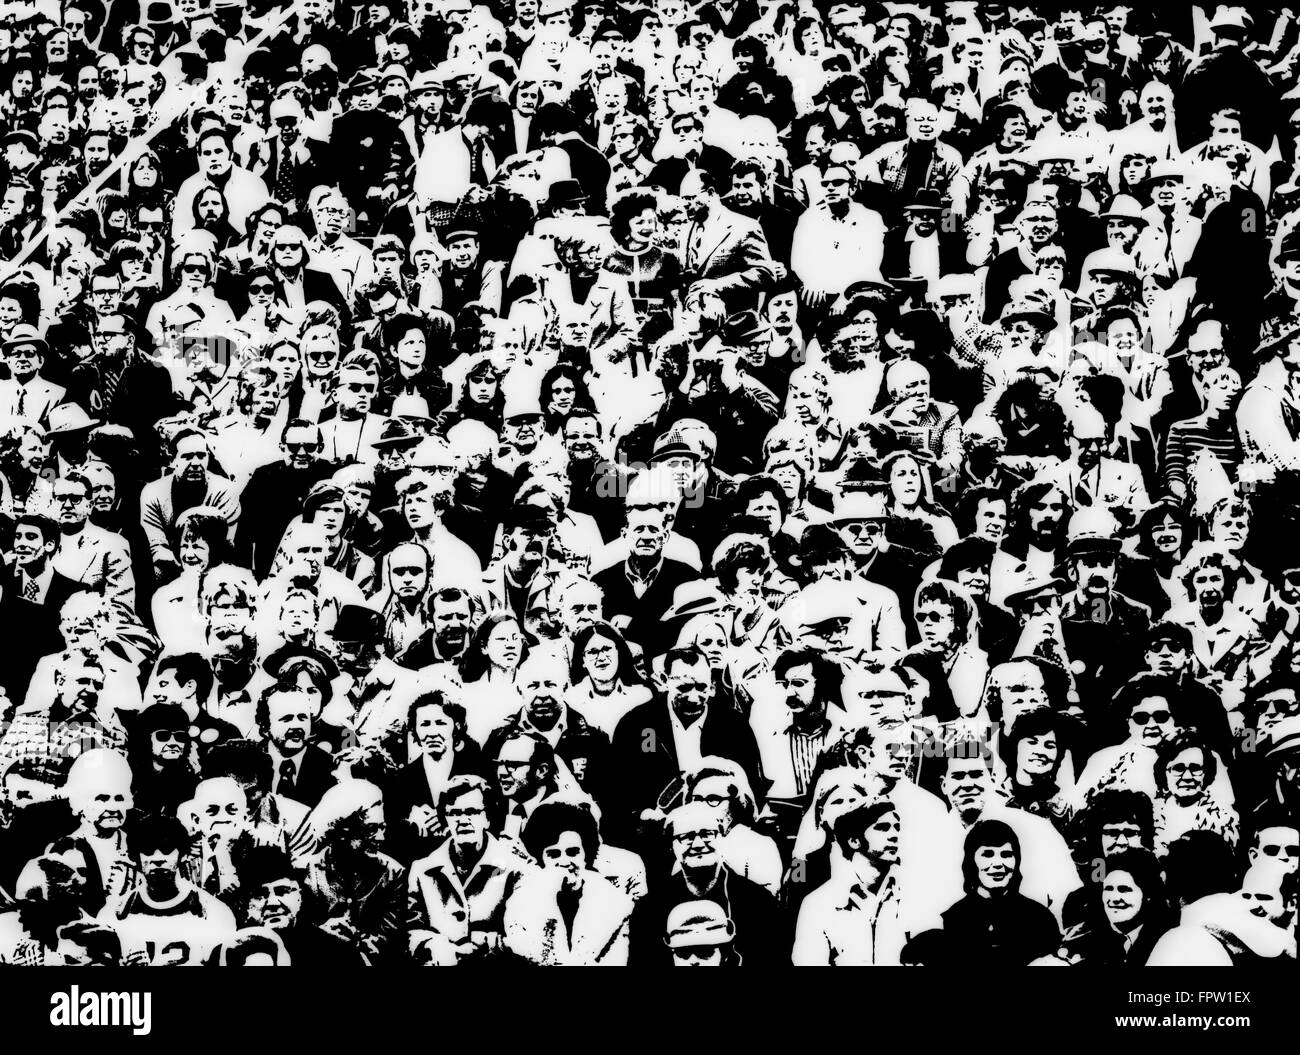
x,y
455,813
194,269
165,736
69,500
713,800
300,448
1188,769
865,528
931,617
261,287
1285,707
694,952
1159,717
685,838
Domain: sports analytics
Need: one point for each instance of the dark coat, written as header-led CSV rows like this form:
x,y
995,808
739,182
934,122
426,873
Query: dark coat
x,y
646,611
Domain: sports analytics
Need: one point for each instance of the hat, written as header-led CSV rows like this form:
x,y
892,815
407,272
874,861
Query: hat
x,y
387,243
522,399
1175,633
823,600
361,81
433,452
1230,18
695,597
1167,170
1092,546
1290,245
925,200
67,417
1109,261
21,135
1278,342
565,193
394,71
1027,311
424,80
1124,207
397,432
743,329
24,334
1037,587
694,923
1284,737
277,660
672,444
859,505
358,624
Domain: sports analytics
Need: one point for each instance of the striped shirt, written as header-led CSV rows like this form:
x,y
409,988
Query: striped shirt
x,y
1219,437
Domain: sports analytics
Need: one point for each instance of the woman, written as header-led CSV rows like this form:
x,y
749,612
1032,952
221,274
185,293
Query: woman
x,y
743,568
948,654
1213,431
709,634
201,545
1127,914
362,889
995,925
144,186
653,274
1186,798
1033,751
164,768
720,782
481,398
194,273
492,660
910,497
565,913
1163,539
604,683
261,294
563,391
412,362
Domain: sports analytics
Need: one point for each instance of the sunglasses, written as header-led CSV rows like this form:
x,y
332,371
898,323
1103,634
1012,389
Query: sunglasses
x,y
261,287
867,528
694,952
1158,717
165,736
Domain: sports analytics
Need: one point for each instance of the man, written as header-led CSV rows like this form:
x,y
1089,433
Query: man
x,y
837,242
189,485
458,893
579,747
244,193
272,892
467,277
752,196
1249,926
880,575
80,717
88,554
804,730
701,935
333,250
302,771
1101,628
451,628
856,918
509,583
276,492
698,874
655,744
640,588
166,920
292,165
25,393
966,783
724,254
348,435
919,163
922,246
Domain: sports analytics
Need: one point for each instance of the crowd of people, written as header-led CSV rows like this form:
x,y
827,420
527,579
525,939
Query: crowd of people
x,y
666,482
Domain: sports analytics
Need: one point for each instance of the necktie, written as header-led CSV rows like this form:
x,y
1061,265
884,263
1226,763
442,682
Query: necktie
x,y
22,400
30,591
286,778
284,177
693,245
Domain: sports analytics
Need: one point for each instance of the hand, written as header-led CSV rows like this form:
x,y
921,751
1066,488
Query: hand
x,y
907,411
340,928
424,819
136,958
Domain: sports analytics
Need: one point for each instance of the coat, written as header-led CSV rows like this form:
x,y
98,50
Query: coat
x,y
158,514
732,253
534,927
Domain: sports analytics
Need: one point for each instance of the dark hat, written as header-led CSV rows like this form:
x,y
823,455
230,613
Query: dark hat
x,y
1290,246
320,494
361,81
276,661
1092,546
926,200
461,227
358,624
397,432
21,135
742,329
260,865
565,193
1278,343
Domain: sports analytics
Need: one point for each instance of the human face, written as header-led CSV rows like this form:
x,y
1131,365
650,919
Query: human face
x,y
222,809
583,606
1046,514
991,519
408,571
156,863
1264,898
1118,836
766,508
1039,754
712,641
881,839
966,785
194,551
1186,774
1208,586
995,867
24,361
1276,706
505,645
516,773
463,252
72,503
468,820
80,686
106,809
905,482
837,185
566,854
647,533
1231,528
434,730
214,157
1279,844
696,844
1167,536
689,687
356,392
1022,689
276,905
451,622
1164,657
600,659
862,537
936,623
1151,722
1121,899
301,446
30,545
290,715
190,463
1096,574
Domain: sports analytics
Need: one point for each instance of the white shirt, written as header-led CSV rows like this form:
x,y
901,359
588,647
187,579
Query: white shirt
x,y
686,740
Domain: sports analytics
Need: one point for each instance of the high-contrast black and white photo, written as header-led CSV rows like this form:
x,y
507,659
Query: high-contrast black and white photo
x,y
648,483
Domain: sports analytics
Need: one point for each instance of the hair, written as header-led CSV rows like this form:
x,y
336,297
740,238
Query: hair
x,y
437,698
988,833
1199,863
627,670
550,820
942,591
459,787
190,669
714,766
686,655
156,831
1183,740
1147,875
625,207
827,674
854,823
475,662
